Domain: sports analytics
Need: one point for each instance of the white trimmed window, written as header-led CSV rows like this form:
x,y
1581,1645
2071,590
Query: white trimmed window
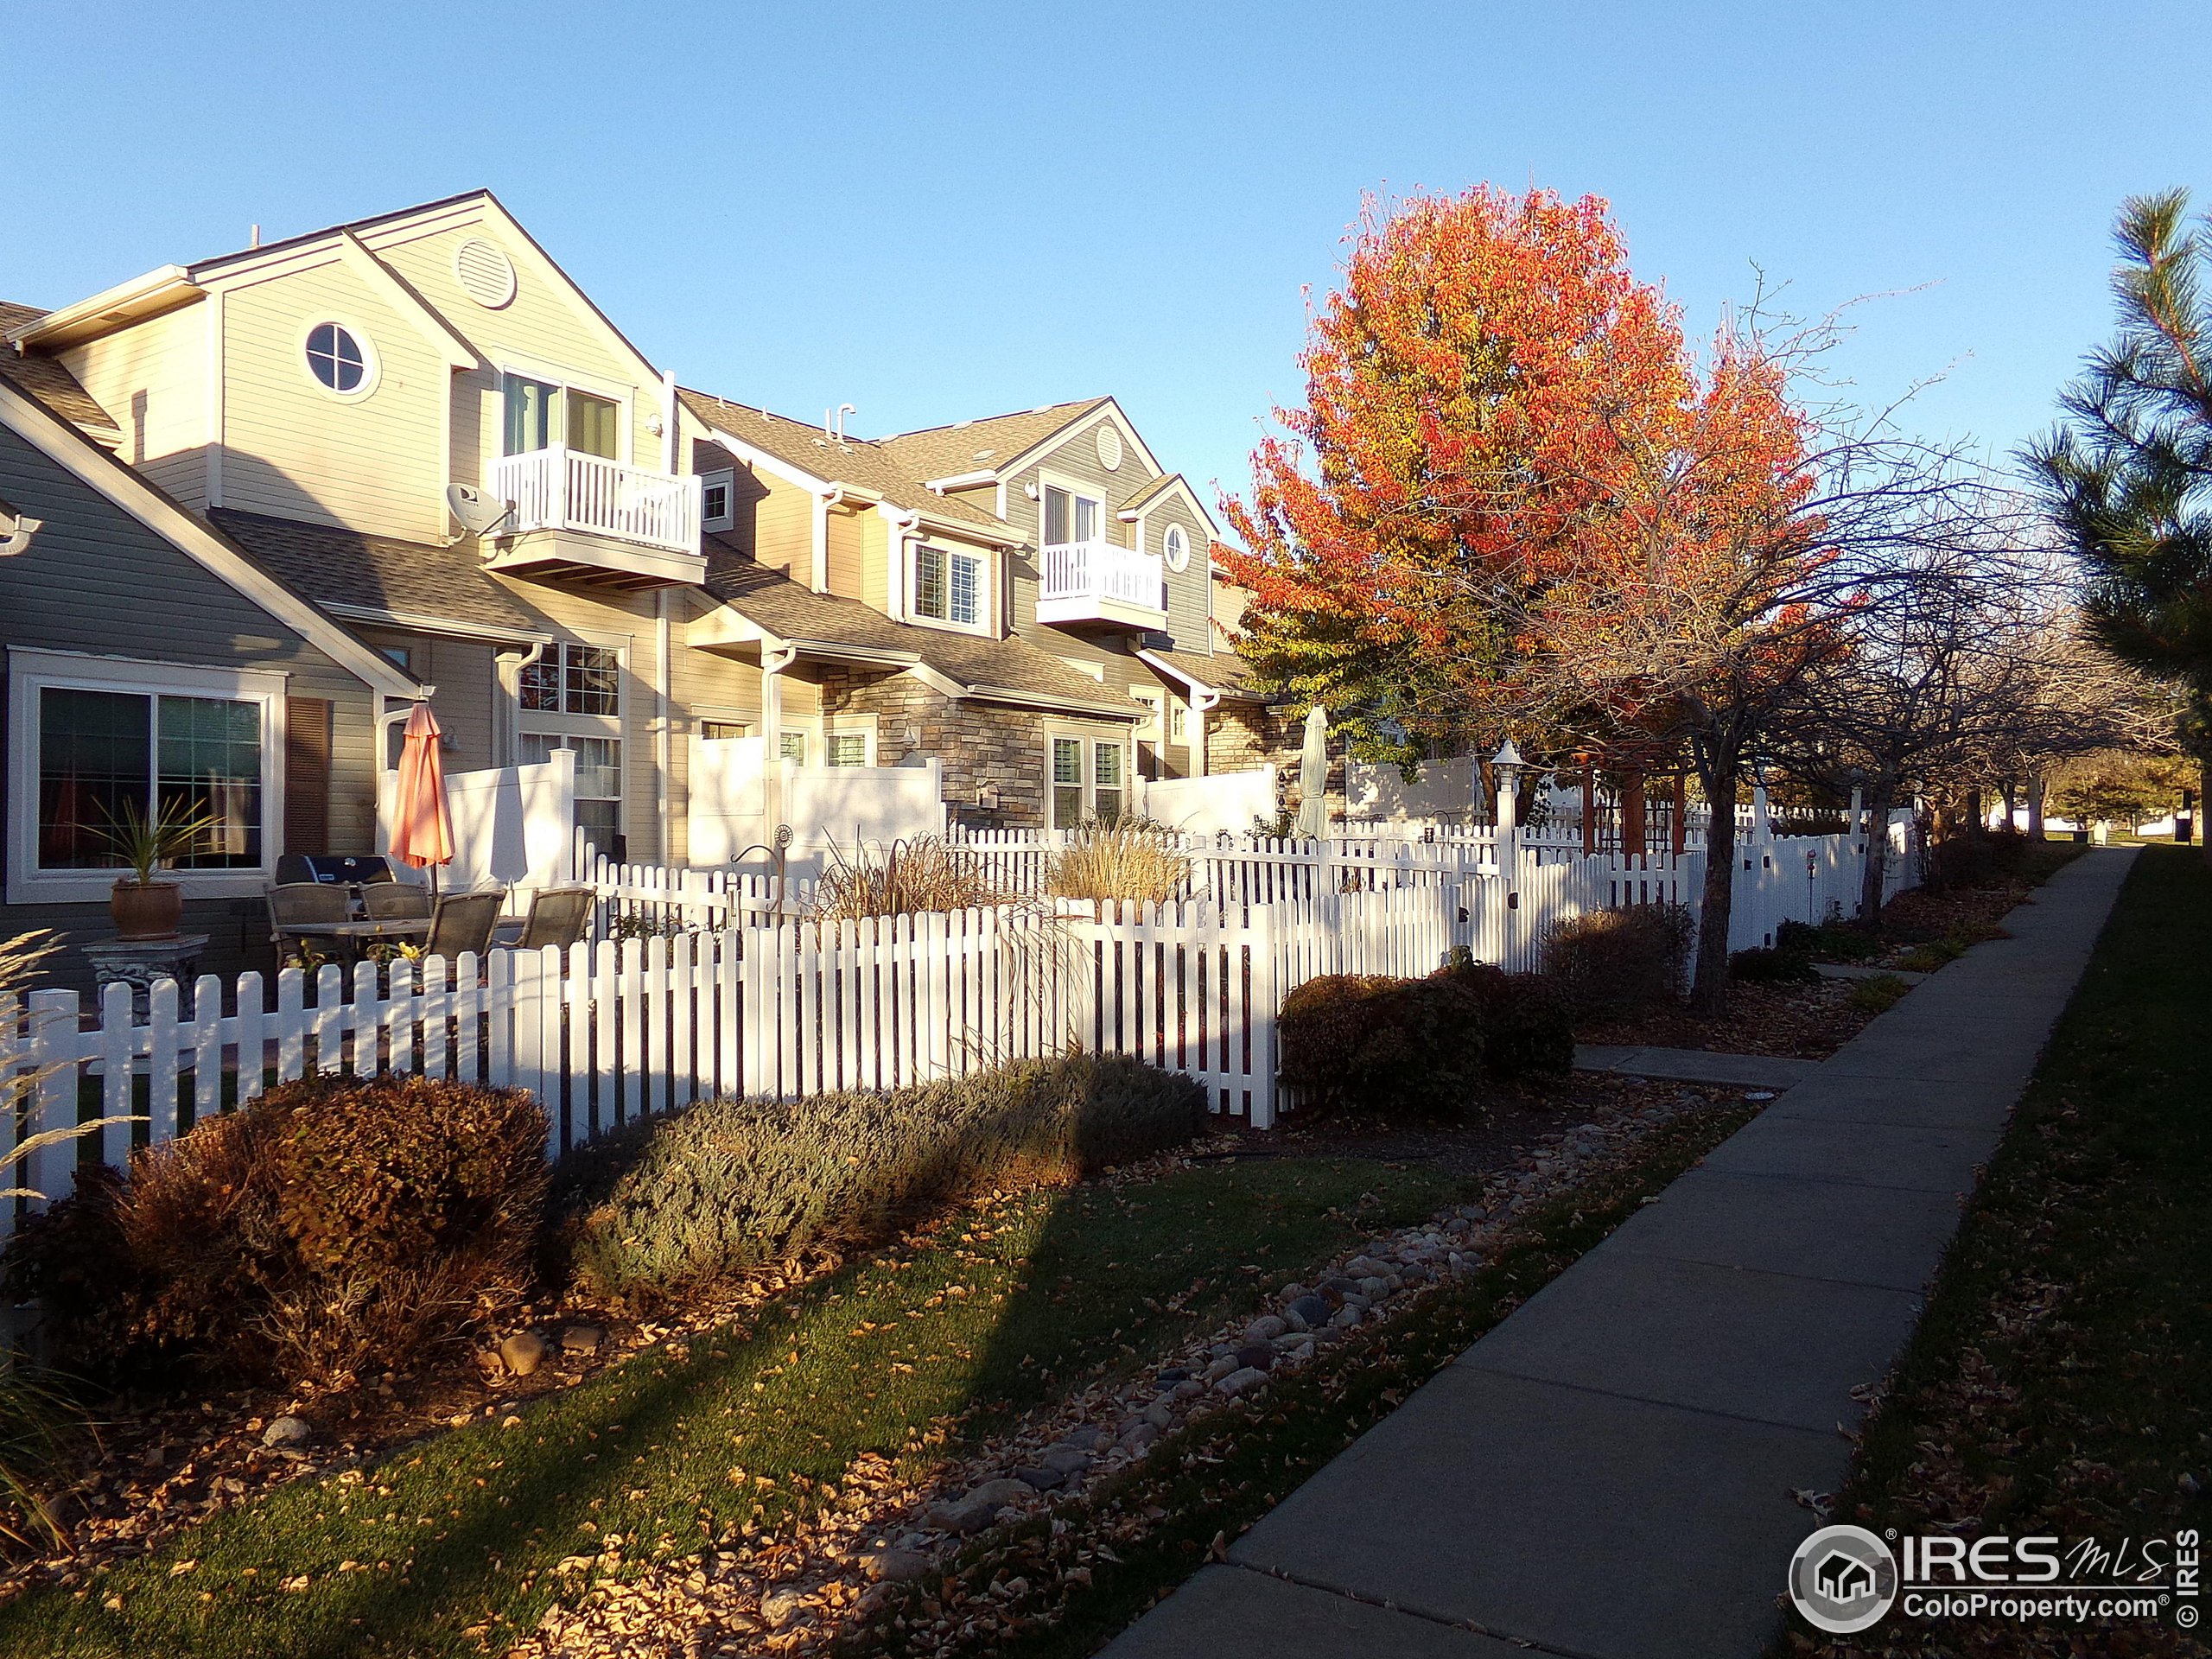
x,y
571,698
792,746
599,779
1089,779
1175,548
847,748
950,585
94,742
718,500
341,360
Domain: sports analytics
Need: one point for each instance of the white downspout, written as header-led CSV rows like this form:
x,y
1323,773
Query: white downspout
x,y
1203,702
662,739
774,659
903,525
511,666
824,501
669,435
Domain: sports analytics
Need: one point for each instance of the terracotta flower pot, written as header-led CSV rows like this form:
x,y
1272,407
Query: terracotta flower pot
x,y
151,911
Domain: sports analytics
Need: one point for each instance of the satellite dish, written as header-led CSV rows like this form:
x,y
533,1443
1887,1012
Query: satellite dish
x,y
479,514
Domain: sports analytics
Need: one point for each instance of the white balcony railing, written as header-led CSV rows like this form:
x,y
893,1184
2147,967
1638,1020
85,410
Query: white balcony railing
x,y
1080,580
559,488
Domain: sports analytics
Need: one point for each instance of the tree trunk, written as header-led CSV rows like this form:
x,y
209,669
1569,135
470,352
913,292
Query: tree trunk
x,y
2035,806
2204,806
1878,851
1709,987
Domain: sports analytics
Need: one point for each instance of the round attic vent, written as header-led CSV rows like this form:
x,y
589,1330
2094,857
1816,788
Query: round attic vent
x,y
487,274
1109,447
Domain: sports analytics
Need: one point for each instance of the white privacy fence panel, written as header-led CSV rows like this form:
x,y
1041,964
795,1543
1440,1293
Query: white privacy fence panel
x,y
717,985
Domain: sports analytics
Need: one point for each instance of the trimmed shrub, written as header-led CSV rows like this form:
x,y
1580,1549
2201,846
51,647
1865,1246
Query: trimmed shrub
x,y
729,1184
1418,1047
1760,966
1830,942
1618,961
1526,1028
329,1227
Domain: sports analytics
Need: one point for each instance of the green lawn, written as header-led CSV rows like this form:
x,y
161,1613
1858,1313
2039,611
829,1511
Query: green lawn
x,y
1000,1310
2061,1380
1216,1475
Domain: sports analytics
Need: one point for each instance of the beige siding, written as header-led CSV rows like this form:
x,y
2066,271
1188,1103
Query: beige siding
x,y
848,538
541,324
467,682
293,450
875,566
1189,603
783,525
152,378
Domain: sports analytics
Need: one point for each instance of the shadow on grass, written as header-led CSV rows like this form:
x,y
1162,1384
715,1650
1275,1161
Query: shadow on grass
x,y
459,1544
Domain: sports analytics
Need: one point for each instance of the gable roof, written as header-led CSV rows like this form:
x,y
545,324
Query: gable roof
x,y
1008,669
46,380
382,579
1223,672
966,446
197,539
855,462
172,285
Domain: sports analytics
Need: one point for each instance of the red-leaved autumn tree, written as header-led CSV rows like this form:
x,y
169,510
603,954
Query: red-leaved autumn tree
x,y
1473,389
1515,499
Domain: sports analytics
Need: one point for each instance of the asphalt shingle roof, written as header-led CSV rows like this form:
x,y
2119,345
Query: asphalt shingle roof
x,y
948,451
791,611
856,461
1224,671
44,379
379,572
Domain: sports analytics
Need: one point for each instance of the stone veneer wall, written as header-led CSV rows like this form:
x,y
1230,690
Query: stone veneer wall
x,y
1242,735
981,744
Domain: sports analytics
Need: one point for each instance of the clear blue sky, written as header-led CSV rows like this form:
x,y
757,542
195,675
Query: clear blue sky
x,y
942,211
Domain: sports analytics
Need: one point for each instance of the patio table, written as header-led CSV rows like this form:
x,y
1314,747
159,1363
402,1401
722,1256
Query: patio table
x,y
351,935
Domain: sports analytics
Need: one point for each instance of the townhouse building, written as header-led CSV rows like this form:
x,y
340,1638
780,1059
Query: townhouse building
x,y
417,431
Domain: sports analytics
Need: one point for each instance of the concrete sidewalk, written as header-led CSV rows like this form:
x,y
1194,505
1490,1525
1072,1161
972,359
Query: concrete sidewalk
x,y
1607,1474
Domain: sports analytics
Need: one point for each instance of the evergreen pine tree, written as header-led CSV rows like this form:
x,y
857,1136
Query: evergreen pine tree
x,y
2127,478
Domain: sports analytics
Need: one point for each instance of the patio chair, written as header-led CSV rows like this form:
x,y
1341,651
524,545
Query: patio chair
x,y
293,903
557,916
462,922
396,902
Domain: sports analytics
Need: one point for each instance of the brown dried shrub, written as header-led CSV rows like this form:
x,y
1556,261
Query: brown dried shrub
x,y
329,1227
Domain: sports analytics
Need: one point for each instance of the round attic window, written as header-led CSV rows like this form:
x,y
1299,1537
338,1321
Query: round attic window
x,y
1177,548
340,359
485,273
1109,446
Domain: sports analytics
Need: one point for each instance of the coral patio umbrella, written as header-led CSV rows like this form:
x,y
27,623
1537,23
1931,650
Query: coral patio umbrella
x,y
421,829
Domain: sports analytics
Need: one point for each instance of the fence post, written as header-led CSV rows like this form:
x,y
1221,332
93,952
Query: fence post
x,y
54,1052
1267,1003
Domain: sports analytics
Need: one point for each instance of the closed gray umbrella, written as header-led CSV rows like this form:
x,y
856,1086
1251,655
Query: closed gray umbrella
x,y
1313,775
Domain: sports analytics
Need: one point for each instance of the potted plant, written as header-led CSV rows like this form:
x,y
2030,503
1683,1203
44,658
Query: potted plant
x,y
142,907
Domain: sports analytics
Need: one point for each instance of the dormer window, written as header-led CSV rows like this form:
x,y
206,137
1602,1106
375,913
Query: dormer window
x,y
949,586
338,358
717,499
1175,548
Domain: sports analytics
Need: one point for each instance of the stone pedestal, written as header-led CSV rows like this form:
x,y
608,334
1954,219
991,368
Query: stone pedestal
x,y
139,962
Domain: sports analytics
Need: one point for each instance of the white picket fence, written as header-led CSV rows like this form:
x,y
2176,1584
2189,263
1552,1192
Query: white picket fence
x,y
720,988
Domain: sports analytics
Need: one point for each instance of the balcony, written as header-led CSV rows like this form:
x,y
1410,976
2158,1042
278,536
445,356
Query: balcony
x,y
586,518
1097,582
